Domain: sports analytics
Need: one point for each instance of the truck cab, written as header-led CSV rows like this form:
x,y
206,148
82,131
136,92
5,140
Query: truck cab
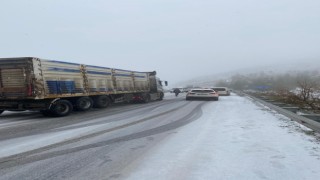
x,y
156,87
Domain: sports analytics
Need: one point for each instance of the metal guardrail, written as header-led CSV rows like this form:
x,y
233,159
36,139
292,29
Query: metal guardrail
x,y
289,112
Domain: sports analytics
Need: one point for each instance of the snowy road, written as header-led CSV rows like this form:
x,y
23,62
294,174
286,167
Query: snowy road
x,y
234,138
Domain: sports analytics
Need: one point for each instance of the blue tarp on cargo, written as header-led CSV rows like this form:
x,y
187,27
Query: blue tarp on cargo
x,y
61,87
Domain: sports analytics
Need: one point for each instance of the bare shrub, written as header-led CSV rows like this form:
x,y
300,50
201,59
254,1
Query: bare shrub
x,y
308,93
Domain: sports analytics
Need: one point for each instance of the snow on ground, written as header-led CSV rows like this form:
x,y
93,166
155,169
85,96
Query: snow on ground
x,y
234,139
28,143
23,144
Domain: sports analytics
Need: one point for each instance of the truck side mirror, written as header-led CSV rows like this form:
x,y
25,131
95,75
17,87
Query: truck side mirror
x,y
166,83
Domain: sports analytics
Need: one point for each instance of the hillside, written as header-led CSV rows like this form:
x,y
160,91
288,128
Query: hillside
x,y
281,68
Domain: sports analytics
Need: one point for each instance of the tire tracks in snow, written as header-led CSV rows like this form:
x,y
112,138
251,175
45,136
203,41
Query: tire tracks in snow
x,y
33,156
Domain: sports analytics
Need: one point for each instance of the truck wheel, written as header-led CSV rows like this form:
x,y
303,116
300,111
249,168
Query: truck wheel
x,y
61,108
1,111
102,102
84,103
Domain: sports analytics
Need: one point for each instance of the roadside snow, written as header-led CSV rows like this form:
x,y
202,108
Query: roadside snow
x,y
234,139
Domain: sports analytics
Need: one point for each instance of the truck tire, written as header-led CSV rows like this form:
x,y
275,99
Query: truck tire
x,y
84,104
101,101
1,111
61,108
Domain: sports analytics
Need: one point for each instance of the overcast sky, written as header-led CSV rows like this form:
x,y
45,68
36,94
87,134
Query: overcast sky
x,y
180,39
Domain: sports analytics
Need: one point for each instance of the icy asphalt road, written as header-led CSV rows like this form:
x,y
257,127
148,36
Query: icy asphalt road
x,y
233,138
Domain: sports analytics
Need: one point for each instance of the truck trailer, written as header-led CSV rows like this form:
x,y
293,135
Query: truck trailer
x,y
56,88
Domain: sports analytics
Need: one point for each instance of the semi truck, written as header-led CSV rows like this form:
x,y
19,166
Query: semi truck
x,y
56,88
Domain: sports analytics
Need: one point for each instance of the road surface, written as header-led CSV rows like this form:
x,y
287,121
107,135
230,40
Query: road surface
x,y
233,138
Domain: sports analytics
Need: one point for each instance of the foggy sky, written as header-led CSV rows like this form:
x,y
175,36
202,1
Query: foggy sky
x,y
180,39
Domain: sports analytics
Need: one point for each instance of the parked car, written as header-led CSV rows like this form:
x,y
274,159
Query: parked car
x,y
208,94
223,91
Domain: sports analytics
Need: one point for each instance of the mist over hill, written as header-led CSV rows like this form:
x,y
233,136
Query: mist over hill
x,y
274,69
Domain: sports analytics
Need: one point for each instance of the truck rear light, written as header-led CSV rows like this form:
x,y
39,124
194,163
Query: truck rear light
x,y
137,98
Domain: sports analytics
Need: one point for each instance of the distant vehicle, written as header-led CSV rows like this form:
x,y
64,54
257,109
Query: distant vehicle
x,y
55,88
208,94
181,90
185,90
177,91
223,91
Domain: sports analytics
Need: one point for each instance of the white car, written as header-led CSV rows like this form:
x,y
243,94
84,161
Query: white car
x,y
223,91
208,94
